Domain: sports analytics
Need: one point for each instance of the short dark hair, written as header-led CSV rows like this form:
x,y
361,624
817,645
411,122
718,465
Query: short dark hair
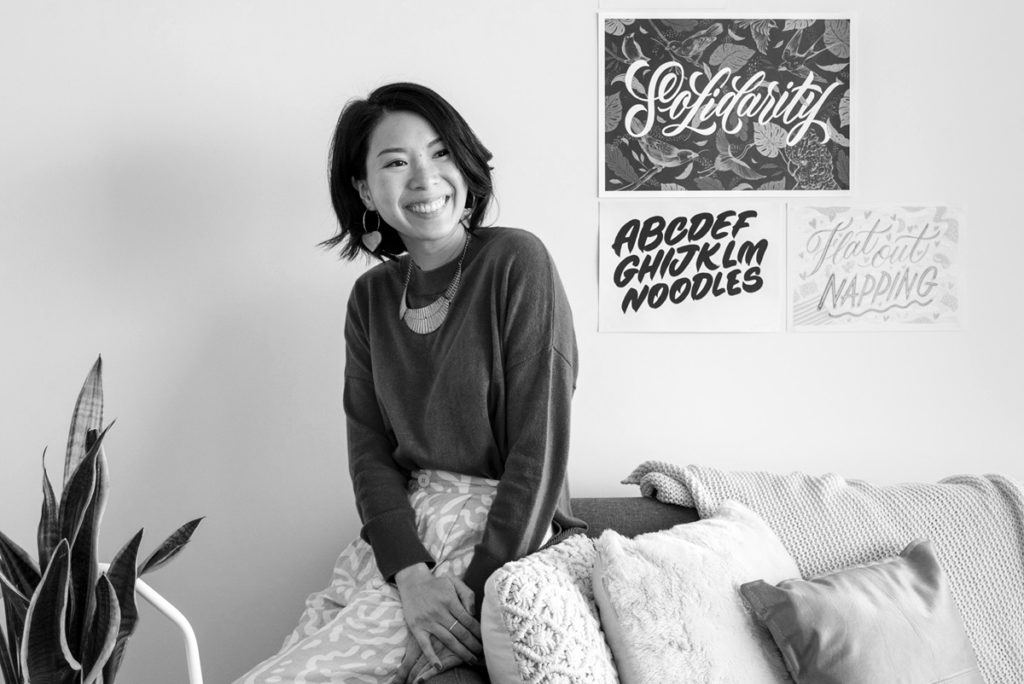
x,y
350,146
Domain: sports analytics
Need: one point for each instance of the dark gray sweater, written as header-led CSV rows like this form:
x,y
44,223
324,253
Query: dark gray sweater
x,y
487,394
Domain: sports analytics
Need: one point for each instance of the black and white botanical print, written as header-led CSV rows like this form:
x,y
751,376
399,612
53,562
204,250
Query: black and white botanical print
x,y
705,104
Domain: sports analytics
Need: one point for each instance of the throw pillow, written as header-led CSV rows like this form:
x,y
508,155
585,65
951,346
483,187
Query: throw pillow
x,y
539,622
890,621
670,604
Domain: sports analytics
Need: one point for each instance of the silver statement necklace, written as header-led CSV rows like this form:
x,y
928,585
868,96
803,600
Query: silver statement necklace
x,y
427,319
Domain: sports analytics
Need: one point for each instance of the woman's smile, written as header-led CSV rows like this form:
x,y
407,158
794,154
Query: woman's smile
x,y
429,208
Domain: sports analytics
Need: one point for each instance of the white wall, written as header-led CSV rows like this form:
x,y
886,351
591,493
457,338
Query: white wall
x,y
162,186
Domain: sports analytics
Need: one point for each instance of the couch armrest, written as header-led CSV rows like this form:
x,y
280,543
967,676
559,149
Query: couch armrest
x,y
630,515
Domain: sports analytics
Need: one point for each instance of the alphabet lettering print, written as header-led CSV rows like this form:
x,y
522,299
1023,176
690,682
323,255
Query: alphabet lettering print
x,y
693,266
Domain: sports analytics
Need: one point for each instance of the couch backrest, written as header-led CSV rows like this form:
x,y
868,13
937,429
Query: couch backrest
x,y
631,515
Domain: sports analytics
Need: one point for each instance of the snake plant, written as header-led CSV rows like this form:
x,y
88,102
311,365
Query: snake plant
x,y
65,622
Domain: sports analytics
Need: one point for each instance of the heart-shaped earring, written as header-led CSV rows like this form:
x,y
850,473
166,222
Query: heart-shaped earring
x,y
372,238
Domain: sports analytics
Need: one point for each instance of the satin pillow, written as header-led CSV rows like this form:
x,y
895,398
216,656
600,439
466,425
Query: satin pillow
x,y
891,621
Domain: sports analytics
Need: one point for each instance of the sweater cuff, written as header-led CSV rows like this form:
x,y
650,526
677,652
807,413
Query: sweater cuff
x,y
395,542
480,568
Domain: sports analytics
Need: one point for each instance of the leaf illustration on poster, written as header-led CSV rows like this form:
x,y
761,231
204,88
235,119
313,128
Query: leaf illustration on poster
x,y
696,266
874,268
724,104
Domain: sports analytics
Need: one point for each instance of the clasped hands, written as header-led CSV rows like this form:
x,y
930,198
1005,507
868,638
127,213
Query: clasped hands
x,y
438,612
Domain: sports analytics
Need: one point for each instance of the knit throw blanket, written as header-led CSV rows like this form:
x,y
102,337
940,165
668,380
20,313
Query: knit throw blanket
x,y
828,523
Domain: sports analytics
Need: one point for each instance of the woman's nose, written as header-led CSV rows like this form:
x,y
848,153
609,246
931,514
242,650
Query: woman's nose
x,y
424,173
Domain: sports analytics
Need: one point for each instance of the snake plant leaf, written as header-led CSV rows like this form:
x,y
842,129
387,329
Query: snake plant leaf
x,y
102,636
90,438
15,606
49,523
78,491
122,576
88,415
45,655
7,671
170,548
84,551
18,566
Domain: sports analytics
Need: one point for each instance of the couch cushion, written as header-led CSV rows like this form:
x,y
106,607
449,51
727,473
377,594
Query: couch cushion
x,y
891,621
670,605
539,621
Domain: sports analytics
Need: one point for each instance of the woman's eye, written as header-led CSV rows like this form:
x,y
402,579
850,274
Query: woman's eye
x,y
441,153
394,163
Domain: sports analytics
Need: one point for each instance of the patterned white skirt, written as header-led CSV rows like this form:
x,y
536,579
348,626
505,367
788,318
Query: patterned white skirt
x,y
354,630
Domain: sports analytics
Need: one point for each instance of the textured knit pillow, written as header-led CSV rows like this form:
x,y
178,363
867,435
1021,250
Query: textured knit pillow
x,y
891,621
539,621
670,603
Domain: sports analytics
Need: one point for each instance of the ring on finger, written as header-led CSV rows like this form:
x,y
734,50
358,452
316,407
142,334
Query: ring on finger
x,y
453,625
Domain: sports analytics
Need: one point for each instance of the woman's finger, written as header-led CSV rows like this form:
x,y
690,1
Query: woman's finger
x,y
460,641
468,598
466,595
423,638
458,609
423,671
413,654
470,641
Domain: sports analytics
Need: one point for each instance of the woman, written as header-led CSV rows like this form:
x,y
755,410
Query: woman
x,y
460,369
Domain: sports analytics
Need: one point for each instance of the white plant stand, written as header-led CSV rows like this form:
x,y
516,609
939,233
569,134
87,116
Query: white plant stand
x,y
195,673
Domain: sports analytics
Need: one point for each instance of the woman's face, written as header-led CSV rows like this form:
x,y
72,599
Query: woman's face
x,y
415,185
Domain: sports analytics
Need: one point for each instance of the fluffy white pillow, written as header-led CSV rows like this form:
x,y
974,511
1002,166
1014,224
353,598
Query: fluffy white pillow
x,y
670,604
539,621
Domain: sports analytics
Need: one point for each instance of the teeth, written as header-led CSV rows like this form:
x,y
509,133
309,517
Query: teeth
x,y
428,207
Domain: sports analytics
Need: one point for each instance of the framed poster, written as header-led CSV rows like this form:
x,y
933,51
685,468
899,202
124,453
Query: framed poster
x,y
717,105
698,266
874,268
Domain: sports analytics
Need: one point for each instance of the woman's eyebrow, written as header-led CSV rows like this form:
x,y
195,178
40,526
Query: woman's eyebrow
x,y
389,150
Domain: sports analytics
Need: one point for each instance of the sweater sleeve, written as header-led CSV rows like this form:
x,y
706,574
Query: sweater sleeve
x,y
389,522
540,377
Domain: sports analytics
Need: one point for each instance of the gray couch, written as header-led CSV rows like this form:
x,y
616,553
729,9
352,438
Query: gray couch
x,y
629,516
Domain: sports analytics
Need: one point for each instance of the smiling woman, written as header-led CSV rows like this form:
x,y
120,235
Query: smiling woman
x,y
461,364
